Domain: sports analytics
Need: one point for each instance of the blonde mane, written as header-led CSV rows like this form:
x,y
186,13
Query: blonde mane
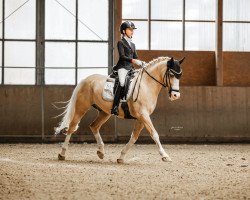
x,y
156,60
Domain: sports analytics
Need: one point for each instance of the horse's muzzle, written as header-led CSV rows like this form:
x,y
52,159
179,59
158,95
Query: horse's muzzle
x,y
174,95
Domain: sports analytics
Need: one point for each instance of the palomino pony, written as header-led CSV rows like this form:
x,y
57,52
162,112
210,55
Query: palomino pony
x,y
163,71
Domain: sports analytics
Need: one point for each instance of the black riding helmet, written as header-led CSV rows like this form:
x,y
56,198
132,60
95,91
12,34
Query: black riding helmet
x,y
125,25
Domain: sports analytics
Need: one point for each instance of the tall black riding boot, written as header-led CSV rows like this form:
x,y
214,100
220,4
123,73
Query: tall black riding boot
x,y
116,100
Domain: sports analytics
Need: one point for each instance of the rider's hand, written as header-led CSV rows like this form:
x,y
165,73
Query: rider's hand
x,y
143,64
138,62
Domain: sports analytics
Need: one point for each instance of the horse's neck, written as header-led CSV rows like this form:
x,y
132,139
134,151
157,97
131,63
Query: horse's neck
x,y
155,71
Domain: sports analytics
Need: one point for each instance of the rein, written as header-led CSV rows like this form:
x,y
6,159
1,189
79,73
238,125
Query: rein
x,y
163,84
167,74
138,87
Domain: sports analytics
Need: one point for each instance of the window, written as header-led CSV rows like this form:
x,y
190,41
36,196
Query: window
x,y
200,36
166,9
165,25
76,43
75,48
94,59
200,25
236,25
166,35
1,19
200,9
19,63
22,24
89,27
135,9
61,25
18,42
60,63
138,12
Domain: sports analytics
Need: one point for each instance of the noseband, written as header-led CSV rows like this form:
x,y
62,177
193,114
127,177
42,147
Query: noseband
x,y
167,75
176,75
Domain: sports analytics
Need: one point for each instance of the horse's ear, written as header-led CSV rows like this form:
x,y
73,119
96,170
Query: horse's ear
x,y
170,63
172,59
180,61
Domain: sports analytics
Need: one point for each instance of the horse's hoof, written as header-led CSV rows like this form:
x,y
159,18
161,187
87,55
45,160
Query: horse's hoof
x,y
100,154
120,161
60,157
166,159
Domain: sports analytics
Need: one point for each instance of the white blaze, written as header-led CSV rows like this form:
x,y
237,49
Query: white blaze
x,y
175,86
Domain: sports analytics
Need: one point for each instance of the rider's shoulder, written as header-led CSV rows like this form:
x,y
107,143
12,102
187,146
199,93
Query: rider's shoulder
x,y
120,42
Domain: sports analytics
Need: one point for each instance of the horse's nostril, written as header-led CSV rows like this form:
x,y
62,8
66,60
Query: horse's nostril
x,y
175,95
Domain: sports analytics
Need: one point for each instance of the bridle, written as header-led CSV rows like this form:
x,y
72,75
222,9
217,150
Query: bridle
x,y
166,78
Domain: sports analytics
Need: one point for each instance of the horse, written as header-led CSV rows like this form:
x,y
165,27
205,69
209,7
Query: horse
x,y
158,73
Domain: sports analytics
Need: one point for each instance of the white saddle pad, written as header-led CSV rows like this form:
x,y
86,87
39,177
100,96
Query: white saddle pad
x,y
108,94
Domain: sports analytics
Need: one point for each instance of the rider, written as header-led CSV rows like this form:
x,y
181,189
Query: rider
x,y
127,56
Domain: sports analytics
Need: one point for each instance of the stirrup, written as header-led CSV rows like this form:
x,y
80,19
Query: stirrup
x,y
115,111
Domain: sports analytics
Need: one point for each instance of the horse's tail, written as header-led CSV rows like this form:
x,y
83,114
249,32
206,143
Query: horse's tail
x,y
68,113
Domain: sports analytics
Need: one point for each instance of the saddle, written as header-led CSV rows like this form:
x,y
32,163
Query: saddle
x,y
112,83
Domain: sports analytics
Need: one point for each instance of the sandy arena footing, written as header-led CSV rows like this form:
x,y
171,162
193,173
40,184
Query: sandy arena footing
x,y
32,171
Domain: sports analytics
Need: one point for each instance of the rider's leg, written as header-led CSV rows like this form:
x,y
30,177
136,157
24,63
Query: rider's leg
x,y
116,100
122,75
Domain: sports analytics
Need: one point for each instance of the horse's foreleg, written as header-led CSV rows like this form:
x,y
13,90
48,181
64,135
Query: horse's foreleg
x,y
134,136
95,128
155,136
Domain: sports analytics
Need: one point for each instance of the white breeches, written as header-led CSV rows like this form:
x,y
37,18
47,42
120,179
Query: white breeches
x,y
122,75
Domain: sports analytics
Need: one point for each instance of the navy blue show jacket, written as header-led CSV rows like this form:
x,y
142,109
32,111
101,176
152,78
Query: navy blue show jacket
x,y
126,54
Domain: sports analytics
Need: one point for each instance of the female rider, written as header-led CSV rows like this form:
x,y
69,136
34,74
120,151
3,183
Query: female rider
x,y
127,56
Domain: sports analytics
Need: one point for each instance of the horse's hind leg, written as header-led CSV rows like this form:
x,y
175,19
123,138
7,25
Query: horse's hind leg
x,y
79,113
134,136
61,156
95,128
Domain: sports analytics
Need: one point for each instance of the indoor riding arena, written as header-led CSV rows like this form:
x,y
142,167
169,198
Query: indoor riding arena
x,y
125,99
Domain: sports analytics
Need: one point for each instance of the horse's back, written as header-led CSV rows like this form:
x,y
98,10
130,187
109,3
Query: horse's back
x,y
94,78
93,82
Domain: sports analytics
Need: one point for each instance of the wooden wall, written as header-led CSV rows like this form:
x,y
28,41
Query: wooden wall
x,y
198,67
28,112
204,113
236,68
